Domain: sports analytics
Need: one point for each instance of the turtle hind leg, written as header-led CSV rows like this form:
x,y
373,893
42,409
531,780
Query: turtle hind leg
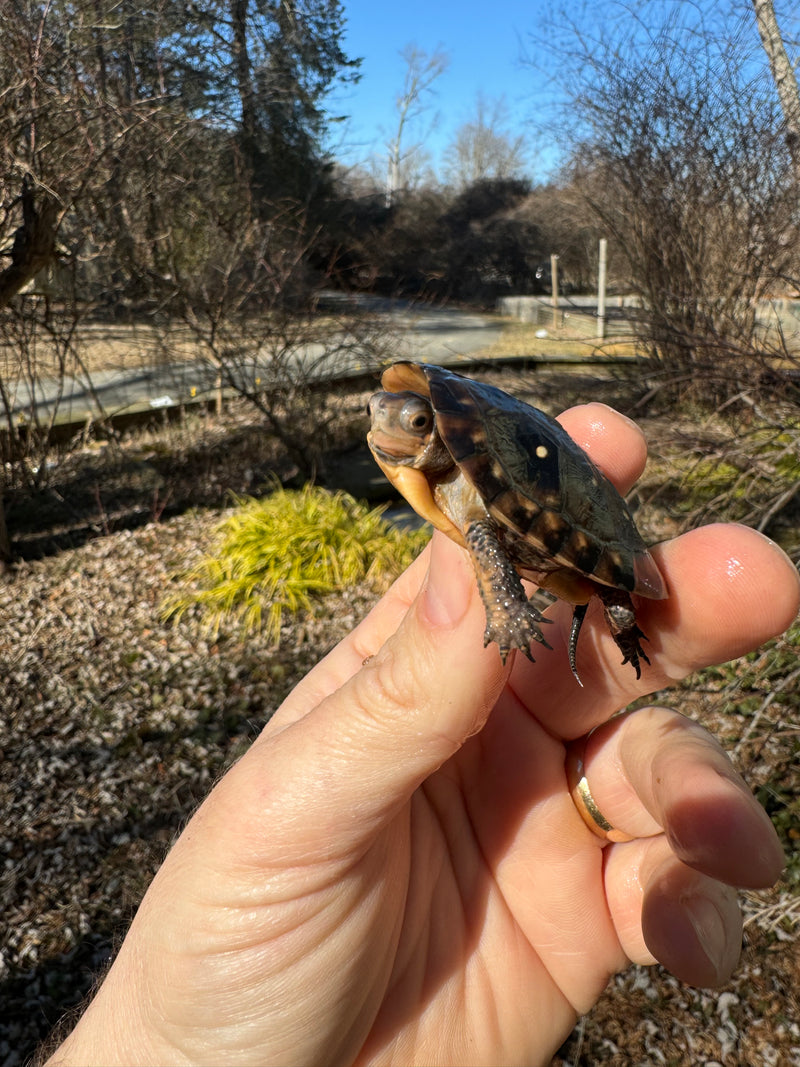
x,y
511,620
621,619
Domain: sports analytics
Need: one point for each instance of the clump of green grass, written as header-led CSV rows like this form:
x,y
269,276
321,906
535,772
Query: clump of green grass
x,y
282,553
706,479
750,478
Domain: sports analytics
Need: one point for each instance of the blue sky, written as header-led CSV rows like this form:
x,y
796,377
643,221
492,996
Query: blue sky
x,y
484,42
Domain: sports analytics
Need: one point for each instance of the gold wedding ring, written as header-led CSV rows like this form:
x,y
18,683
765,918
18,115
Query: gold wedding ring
x,y
584,801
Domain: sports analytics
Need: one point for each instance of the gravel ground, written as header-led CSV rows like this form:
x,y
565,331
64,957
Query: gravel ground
x,y
114,726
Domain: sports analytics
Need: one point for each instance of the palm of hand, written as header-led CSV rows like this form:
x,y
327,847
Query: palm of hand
x,y
503,881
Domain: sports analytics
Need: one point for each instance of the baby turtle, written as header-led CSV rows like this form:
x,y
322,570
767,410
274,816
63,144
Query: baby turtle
x,y
509,484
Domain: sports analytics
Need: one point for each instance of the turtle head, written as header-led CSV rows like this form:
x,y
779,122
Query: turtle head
x,y
406,444
403,433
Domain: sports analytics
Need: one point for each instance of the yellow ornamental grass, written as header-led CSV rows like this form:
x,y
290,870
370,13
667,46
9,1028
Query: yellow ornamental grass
x,y
284,552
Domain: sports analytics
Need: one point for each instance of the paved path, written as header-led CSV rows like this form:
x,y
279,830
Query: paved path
x,y
430,335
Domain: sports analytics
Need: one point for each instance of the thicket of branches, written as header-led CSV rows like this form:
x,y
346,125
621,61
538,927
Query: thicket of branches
x,y
681,153
129,133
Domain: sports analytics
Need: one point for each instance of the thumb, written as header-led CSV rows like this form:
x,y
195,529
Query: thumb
x,y
431,685
348,765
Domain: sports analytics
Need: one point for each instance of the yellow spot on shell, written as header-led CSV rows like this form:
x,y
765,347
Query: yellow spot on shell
x,y
541,451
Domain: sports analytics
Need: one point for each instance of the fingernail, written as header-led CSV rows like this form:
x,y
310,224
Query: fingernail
x,y
447,592
709,929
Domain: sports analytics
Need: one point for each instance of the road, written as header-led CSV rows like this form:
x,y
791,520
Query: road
x,y
431,335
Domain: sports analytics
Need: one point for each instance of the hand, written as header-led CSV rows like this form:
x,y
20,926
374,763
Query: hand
x,y
396,872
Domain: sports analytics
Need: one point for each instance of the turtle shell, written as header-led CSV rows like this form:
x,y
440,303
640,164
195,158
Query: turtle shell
x,y
560,516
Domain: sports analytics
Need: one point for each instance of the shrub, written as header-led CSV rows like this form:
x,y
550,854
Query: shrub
x,y
283,552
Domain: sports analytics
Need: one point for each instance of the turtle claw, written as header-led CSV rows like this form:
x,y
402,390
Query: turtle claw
x,y
621,620
515,626
631,649
578,615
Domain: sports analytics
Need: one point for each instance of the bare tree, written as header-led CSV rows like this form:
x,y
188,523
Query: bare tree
x,y
422,70
45,160
34,243
484,148
31,196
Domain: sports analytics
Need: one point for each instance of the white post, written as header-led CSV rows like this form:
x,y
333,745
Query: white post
x,y
554,279
601,289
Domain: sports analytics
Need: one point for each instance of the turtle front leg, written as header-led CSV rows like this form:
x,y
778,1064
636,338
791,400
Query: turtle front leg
x,y
621,619
511,620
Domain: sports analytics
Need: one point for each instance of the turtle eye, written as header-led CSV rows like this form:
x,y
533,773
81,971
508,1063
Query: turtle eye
x,y
416,416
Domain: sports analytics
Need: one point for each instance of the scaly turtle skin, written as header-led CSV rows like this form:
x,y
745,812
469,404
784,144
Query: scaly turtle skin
x,y
508,483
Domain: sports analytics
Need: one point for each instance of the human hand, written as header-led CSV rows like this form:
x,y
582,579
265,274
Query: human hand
x,y
396,871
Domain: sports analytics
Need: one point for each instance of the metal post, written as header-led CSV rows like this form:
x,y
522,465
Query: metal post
x,y
554,278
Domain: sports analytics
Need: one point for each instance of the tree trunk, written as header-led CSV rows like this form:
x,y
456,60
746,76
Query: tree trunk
x,y
782,73
245,88
34,244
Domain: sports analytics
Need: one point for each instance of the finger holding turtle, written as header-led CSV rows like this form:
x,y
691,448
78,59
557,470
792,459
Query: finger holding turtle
x,y
731,588
689,833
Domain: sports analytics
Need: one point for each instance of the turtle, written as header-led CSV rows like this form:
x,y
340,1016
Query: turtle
x,y
508,483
